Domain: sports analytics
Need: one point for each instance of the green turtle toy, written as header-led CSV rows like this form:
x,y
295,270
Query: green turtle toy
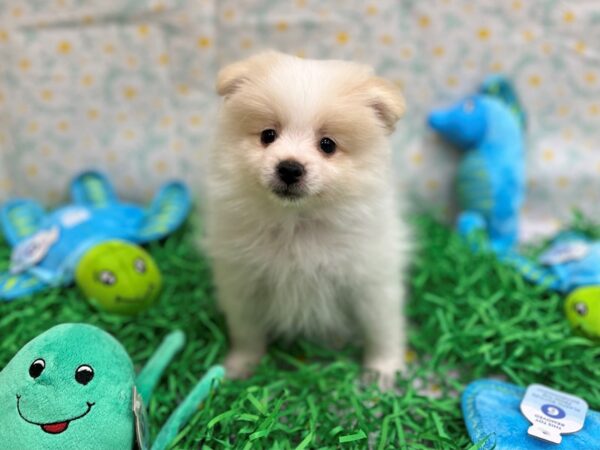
x,y
74,387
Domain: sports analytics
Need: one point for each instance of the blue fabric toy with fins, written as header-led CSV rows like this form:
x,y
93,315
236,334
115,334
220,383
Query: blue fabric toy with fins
x,y
47,247
488,127
494,420
571,266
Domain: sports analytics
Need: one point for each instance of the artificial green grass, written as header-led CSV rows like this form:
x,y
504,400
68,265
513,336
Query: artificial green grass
x,y
470,318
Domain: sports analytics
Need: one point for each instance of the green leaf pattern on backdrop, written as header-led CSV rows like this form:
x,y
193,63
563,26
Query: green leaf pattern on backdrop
x,y
127,86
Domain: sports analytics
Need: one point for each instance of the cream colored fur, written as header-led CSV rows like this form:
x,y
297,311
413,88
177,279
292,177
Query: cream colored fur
x,y
328,265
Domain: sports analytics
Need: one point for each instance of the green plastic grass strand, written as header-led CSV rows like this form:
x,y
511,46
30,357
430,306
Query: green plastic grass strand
x,y
306,441
352,437
470,317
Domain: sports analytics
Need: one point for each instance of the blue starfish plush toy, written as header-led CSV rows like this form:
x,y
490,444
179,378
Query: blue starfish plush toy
x,y
47,248
488,127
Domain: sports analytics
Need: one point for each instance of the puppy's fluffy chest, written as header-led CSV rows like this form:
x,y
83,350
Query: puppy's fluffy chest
x,y
307,244
306,272
303,268
299,245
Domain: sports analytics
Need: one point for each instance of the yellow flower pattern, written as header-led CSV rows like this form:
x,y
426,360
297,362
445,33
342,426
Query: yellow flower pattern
x,y
136,97
342,38
204,42
484,34
64,47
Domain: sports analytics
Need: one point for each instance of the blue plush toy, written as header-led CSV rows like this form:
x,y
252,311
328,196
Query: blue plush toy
x,y
571,266
488,127
47,248
570,262
494,421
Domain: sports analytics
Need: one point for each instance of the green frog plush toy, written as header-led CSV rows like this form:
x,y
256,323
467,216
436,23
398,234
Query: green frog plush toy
x,y
74,387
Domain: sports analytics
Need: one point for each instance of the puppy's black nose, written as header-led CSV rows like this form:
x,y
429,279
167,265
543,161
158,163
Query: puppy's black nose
x,y
290,171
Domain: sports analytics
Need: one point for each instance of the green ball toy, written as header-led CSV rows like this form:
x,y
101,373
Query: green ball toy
x,y
582,308
119,277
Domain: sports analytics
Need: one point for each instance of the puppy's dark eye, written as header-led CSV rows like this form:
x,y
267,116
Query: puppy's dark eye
x,y
84,374
268,136
36,368
327,145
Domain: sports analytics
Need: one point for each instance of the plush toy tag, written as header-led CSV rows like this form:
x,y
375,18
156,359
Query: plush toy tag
x,y
565,252
552,413
32,250
141,421
74,216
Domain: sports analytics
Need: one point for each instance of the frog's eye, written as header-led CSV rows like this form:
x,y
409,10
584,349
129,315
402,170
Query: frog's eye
x,y
140,265
469,106
580,308
84,374
107,277
36,368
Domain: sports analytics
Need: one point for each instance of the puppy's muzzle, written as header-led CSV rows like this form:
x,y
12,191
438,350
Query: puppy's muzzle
x,y
290,172
289,180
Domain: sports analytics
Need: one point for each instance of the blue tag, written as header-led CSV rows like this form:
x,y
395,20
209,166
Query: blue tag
x,y
552,413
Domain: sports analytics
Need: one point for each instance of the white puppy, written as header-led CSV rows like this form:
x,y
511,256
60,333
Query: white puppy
x,y
302,219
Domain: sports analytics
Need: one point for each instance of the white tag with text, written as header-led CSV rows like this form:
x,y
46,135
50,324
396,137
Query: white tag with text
x,y
552,413
32,250
565,252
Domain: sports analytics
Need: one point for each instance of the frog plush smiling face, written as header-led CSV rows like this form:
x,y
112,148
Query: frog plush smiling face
x,y
74,387
119,277
53,393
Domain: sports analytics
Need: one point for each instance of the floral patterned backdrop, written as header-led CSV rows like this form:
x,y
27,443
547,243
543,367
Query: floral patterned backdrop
x,y
127,86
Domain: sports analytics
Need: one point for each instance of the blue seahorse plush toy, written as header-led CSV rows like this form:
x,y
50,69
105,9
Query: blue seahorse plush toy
x,y
49,247
488,127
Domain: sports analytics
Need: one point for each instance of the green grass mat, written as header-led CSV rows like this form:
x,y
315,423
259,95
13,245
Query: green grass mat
x,y
470,318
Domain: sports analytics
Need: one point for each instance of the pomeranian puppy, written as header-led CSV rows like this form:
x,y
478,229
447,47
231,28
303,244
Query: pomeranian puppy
x,y
302,223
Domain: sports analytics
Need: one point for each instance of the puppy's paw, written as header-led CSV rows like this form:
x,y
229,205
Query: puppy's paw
x,y
240,365
383,372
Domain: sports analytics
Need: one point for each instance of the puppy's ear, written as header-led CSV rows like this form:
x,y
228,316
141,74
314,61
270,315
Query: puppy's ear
x,y
387,101
232,77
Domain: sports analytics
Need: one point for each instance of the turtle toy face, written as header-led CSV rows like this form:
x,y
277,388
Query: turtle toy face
x,y
69,388
582,308
119,277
